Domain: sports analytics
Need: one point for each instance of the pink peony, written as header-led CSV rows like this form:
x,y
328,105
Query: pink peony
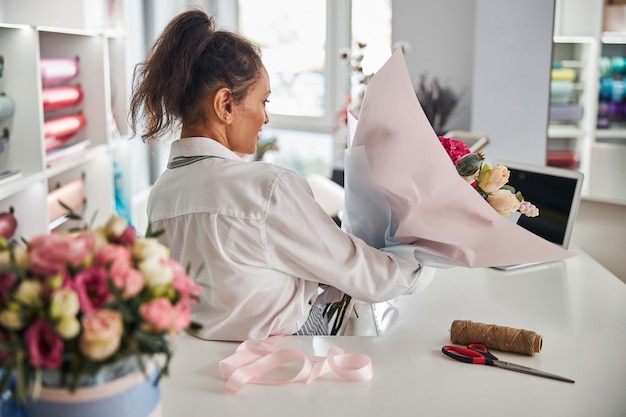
x,y
127,279
456,149
181,316
112,256
186,288
45,348
102,334
50,254
159,314
91,286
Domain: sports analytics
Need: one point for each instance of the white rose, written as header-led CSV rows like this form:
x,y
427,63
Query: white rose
x,y
156,271
149,248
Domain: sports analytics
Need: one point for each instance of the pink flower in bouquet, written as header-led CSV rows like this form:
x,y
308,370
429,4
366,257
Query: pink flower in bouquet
x,y
456,149
91,286
50,254
102,334
112,256
45,348
158,313
503,201
493,179
127,279
187,289
181,316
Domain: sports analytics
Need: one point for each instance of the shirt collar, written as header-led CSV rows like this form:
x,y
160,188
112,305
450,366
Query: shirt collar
x,y
201,146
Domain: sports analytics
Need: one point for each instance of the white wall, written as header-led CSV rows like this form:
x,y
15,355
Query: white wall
x,y
512,61
441,38
498,54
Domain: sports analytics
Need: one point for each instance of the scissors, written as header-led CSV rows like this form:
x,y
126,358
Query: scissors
x,y
478,354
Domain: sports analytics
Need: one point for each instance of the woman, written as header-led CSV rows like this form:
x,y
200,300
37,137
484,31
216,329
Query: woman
x,y
265,244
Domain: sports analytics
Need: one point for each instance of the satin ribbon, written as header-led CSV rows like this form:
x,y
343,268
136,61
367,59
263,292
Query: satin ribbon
x,y
254,359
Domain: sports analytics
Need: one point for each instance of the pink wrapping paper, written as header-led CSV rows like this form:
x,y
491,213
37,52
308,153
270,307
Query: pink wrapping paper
x,y
403,193
71,194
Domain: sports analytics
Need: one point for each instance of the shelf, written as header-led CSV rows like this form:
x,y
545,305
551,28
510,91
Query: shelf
x,y
74,162
573,39
613,38
564,131
611,133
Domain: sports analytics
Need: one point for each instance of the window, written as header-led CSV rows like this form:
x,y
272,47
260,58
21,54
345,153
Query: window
x,y
300,42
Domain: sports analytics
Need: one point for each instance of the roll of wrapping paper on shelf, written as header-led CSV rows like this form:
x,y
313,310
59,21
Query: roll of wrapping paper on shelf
x,y
563,74
55,98
58,70
505,339
561,91
71,194
7,106
60,129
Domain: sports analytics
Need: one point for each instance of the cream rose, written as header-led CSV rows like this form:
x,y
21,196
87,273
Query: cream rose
x,y
29,292
67,327
149,248
115,226
156,271
490,180
102,334
503,201
11,319
64,303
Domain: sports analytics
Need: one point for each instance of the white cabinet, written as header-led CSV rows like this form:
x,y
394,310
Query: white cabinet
x,y
85,156
588,132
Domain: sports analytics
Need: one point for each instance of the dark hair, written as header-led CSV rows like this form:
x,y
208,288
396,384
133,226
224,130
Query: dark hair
x,y
189,61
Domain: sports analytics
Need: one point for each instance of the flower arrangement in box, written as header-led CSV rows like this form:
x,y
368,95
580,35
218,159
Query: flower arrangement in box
x,y
74,303
490,182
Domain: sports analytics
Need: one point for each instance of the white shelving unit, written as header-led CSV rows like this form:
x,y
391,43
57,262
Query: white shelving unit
x,y
581,38
22,45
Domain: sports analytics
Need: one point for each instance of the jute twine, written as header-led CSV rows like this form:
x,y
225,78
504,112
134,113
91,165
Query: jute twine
x,y
506,339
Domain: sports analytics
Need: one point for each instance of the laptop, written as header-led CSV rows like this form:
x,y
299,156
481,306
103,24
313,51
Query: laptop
x,y
556,192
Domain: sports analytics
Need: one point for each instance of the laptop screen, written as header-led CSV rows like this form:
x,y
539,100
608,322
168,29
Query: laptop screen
x,y
556,192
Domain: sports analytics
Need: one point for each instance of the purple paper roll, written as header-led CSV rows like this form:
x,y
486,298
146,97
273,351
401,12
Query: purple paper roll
x,y
57,70
565,113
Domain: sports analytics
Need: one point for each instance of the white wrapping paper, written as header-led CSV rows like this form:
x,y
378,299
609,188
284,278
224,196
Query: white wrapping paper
x,y
403,194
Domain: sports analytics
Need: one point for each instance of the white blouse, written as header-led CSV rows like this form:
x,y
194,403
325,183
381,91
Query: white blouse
x,y
264,243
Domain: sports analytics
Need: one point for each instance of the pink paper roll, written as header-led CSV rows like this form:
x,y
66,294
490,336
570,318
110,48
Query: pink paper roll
x,y
60,129
71,194
55,98
57,70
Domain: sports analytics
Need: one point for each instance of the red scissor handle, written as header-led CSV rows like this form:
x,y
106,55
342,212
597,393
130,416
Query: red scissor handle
x,y
467,355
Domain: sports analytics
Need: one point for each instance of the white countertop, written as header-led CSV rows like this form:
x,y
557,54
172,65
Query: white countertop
x,y
577,306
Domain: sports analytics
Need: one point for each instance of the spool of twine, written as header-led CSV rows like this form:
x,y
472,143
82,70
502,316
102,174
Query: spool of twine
x,y
506,339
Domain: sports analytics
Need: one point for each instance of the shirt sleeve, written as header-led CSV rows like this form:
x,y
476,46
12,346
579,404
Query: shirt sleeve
x,y
303,241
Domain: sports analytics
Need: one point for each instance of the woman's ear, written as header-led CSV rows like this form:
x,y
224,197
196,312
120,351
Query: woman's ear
x,y
222,104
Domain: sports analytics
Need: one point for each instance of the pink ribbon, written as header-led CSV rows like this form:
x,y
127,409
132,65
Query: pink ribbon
x,y
254,359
